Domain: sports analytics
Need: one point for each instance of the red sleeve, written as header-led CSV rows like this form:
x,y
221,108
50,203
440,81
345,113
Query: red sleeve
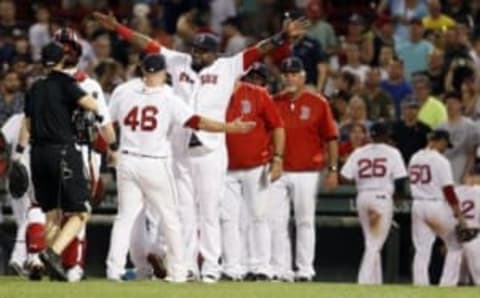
x,y
250,56
270,112
328,129
152,47
450,195
281,53
193,122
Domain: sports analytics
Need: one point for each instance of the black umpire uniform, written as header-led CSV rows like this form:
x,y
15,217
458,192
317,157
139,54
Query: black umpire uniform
x,y
56,164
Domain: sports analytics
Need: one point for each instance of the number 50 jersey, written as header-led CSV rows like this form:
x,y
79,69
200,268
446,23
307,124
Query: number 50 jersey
x,y
375,167
429,173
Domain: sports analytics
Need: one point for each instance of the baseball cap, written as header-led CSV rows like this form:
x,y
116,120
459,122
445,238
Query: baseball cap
x,y
52,54
378,129
153,62
206,41
292,64
259,69
441,134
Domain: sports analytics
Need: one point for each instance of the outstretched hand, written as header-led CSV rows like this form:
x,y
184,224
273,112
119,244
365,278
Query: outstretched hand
x,y
108,21
296,28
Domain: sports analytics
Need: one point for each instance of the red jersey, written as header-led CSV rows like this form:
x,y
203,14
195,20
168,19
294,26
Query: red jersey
x,y
252,149
308,125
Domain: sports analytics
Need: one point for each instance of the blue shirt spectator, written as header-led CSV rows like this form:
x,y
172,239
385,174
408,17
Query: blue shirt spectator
x,y
396,85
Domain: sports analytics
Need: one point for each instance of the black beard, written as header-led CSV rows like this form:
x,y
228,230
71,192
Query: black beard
x,y
197,67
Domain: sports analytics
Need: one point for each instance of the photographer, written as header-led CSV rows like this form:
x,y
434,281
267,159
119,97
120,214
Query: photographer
x,y
56,162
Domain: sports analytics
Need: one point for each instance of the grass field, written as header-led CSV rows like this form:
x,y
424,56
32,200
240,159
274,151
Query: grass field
x,y
15,287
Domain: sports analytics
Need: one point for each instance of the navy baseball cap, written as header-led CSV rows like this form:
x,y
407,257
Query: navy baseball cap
x,y
292,64
52,54
153,62
206,41
378,129
441,134
259,69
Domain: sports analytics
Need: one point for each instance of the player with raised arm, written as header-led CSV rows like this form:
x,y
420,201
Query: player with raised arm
x,y
206,83
377,170
436,210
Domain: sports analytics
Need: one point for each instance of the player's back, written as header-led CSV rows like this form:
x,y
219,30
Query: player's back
x,y
469,200
144,116
374,167
429,172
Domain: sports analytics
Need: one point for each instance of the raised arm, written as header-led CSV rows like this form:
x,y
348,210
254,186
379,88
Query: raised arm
x,y
109,22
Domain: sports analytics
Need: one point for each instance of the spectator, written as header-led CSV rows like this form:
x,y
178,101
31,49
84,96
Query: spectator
x,y
38,33
235,40
396,85
356,139
132,68
22,46
464,136
436,20
340,107
102,47
314,61
403,11
354,63
9,24
409,135
11,97
471,98
383,37
436,72
379,103
475,51
358,34
109,74
345,82
220,10
432,111
386,55
357,115
456,45
321,30
414,51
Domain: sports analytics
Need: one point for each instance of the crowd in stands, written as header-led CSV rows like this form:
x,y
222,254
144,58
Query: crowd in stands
x,y
412,63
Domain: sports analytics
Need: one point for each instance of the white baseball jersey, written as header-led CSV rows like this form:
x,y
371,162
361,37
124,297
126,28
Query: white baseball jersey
x,y
208,92
469,200
429,172
94,89
11,129
374,167
145,117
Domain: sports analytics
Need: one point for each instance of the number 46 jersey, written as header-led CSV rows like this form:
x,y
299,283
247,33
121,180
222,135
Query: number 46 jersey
x,y
429,173
145,117
374,167
469,200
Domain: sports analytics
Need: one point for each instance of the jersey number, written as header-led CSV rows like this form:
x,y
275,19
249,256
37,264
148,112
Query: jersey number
x,y
420,174
145,117
468,208
368,168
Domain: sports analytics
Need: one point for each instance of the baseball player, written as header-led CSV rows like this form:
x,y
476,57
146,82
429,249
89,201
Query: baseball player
x,y
145,111
251,158
377,170
310,132
469,200
436,210
206,84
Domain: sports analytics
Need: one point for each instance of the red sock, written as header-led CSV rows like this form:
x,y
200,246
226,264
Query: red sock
x,y
74,254
35,237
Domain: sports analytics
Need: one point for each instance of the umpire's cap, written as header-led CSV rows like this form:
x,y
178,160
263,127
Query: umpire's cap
x,y
292,64
206,41
441,134
52,54
379,129
153,62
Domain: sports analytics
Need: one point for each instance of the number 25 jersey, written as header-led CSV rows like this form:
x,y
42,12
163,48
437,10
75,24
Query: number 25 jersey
x,y
429,173
375,167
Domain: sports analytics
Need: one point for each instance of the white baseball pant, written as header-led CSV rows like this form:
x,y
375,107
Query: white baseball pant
x,y
298,188
472,250
244,222
209,172
146,181
20,209
431,218
375,210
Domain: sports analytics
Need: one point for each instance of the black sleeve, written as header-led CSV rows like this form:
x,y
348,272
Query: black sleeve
x,y
320,55
73,92
401,187
27,107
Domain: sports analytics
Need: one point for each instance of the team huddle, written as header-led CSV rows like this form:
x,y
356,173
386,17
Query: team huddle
x,y
212,165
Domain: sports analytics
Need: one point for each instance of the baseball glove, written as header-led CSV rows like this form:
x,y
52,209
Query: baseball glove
x,y
465,234
17,179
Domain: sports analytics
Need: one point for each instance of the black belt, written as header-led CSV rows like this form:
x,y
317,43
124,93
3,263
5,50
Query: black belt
x,y
141,155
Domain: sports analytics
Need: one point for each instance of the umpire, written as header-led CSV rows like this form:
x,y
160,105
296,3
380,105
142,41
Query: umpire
x,y
57,166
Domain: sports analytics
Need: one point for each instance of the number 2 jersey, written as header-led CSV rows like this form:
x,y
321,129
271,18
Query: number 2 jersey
x,y
429,173
374,167
145,117
469,200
